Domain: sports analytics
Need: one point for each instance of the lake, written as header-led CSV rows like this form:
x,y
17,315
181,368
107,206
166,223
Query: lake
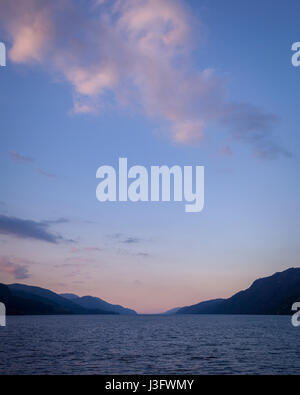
x,y
154,344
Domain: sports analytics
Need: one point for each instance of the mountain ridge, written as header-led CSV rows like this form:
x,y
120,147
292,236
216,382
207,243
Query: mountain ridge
x,y
269,295
92,302
21,299
273,294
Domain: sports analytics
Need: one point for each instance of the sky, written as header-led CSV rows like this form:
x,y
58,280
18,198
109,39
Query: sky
x,y
160,82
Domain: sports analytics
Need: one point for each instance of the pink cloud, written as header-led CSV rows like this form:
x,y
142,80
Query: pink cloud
x,y
139,53
46,174
226,151
14,268
19,158
91,82
30,27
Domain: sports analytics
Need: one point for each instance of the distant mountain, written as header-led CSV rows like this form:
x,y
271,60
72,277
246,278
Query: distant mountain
x,y
269,295
202,307
91,302
21,299
172,311
69,296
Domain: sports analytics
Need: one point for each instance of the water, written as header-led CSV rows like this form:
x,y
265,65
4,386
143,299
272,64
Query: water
x,y
188,344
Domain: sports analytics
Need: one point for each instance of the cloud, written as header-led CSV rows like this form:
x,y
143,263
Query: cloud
x,y
44,173
121,238
137,53
79,259
18,271
131,240
76,250
30,26
23,159
20,158
226,151
28,229
56,221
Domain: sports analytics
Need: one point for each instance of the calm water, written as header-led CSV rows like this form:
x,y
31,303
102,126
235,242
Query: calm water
x,y
149,345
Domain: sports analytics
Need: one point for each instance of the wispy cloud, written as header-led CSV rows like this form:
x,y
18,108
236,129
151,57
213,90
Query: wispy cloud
x,y
46,174
15,269
136,52
131,240
20,158
76,250
133,243
78,260
226,151
15,156
121,238
29,229
129,252
56,221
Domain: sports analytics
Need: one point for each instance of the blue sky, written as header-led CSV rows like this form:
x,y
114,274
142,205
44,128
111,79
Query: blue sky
x,y
59,123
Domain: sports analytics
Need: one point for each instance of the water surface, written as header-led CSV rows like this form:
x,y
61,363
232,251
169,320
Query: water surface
x,y
188,344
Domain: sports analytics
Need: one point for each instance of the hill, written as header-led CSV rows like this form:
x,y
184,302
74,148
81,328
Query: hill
x,y
91,302
269,295
21,299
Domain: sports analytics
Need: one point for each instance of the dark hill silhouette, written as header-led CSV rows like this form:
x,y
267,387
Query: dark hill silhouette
x,y
91,302
270,295
172,311
21,299
201,308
